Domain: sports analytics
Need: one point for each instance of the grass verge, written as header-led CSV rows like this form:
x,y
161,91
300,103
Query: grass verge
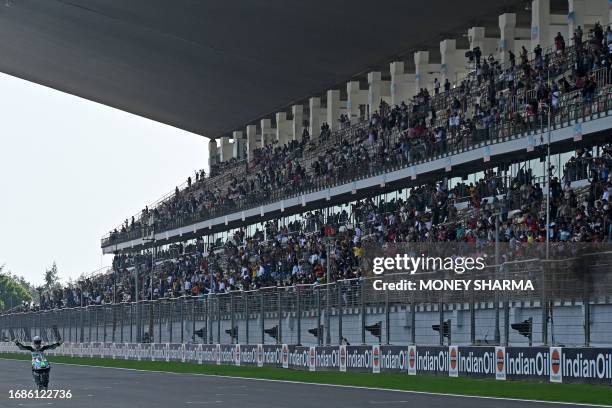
x,y
544,391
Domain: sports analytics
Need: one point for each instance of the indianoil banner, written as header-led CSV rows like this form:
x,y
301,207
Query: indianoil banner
x,y
555,364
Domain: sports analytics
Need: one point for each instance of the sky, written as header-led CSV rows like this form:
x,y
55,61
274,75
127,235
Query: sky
x,y
72,169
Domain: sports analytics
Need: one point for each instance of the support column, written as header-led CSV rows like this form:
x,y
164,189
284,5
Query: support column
x,y
377,90
298,122
283,128
356,97
251,140
478,38
212,153
587,13
452,63
421,64
226,149
540,23
507,29
268,133
333,109
316,118
575,17
238,146
402,84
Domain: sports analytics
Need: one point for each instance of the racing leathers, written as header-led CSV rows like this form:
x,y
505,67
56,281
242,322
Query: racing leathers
x,y
40,365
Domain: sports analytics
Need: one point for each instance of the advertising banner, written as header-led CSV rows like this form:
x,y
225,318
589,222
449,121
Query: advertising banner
x,y
554,364
453,361
475,361
175,352
158,352
556,372
107,349
342,358
432,360
376,359
586,365
237,354
248,355
260,355
412,360
285,355
226,354
190,353
312,359
500,363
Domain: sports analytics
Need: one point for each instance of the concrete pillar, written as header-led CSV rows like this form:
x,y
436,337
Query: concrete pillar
x,y
377,90
283,128
478,38
507,29
212,153
298,122
575,16
402,84
317,116
355,98
226,149
334,109
540,23
268,133
421,63
252,141
452,63
599,10
239,145
586,13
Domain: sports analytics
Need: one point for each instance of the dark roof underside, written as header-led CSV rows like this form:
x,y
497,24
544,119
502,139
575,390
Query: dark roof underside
x,y
212,66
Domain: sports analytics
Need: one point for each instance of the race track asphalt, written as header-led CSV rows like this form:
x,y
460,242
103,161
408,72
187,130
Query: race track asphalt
x,y
98,387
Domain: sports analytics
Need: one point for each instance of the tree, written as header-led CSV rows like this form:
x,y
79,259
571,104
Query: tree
x,y
52,278
14,290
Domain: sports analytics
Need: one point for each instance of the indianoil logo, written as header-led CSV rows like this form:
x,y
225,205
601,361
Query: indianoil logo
x,y
285,353
555,360
375,357
500,360
453,358
312,356
411,358
342,356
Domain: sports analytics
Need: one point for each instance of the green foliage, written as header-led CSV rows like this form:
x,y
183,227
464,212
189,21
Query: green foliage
x,y
13,290
52,278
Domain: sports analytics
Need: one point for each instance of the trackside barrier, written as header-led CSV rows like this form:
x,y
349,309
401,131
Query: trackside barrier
x,y
554,364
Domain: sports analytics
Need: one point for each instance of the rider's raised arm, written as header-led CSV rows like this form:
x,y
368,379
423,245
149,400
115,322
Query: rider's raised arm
x,y
22,347
51,346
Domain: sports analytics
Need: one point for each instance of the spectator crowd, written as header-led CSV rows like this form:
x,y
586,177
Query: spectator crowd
x,y
494,100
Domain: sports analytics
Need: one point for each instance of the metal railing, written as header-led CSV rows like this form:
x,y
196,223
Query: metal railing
x,y
563,309
558,64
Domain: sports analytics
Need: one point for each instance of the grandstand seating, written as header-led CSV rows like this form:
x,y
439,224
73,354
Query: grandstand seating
x,y
492,103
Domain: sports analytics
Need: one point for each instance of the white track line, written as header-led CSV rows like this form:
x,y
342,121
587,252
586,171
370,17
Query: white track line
x,y
441,394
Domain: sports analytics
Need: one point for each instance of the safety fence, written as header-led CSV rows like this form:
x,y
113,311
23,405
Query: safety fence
x,y
554,364
570,305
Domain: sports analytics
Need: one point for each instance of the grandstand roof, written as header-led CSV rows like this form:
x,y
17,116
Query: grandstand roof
x,y
213,66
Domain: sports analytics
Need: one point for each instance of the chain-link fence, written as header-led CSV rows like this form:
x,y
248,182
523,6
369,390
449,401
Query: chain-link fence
x,y
570,305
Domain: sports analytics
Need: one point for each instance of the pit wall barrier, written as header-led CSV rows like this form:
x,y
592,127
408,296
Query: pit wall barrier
x,y
554,364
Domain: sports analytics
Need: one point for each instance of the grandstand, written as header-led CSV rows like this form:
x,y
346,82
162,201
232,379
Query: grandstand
x,y
504,142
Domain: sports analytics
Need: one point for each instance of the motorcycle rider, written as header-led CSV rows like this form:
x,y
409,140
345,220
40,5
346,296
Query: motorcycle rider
x,y
40,365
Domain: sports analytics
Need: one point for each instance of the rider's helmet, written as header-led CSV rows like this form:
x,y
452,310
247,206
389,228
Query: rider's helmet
x,y
37,341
